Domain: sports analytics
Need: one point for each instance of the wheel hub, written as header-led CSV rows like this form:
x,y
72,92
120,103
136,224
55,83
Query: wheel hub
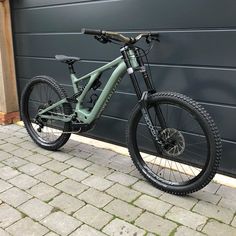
x,y
173,142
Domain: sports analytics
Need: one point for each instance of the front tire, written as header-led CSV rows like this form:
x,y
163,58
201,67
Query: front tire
x,y
191,146
40,92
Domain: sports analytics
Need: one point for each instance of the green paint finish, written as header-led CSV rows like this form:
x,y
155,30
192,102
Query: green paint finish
x,y
81,112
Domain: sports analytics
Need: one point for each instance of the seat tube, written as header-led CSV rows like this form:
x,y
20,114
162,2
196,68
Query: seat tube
x,y
130,71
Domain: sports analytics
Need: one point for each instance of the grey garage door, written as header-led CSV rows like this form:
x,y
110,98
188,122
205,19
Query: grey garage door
x,y
196,56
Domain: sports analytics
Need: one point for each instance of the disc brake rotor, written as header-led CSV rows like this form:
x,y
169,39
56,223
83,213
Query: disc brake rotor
x,y
173,142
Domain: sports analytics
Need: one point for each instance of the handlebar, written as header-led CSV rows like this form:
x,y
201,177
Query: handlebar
x,y
119,37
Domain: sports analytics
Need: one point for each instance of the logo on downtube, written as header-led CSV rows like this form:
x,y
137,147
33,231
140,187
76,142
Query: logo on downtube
x,y
109,96
149,124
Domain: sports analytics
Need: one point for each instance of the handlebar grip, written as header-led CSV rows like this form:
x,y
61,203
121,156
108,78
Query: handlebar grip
x,y
91,31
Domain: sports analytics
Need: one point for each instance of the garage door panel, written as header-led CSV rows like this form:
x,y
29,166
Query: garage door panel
x,y
104,14
213,49
209,85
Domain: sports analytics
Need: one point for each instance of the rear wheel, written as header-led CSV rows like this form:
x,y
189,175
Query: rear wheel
x,y
188,155
40,93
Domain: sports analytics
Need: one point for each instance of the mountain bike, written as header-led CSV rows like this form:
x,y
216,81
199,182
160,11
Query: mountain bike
x,y
172,140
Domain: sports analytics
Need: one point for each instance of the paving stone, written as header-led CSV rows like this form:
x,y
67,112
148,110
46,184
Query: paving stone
x,y
122,178
27,227
71,187
211,187
99,170
86,230
50,177
32,169
7,172
60,156
75,174
14,127
56,166
23,181
42,151
4,185
153,205
4,233
21,152
185,231
104,152
36,209
4,134
186,202
2,142
80,154
123,193
135,173
234,222
43,191
14,140
38,159
51,234
4,155
228,203
227,192
119,227
147,188
155,224
67,203
95,197
61,223
123,210
122,164
97,182
29,145
206,196
8,147
20,135
93,216
86,148
187,218
8,215
215,228
99,160
14,197
78,163
15,162
212,211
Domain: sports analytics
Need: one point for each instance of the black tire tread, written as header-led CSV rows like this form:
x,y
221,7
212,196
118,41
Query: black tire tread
x,y
68,110
214,130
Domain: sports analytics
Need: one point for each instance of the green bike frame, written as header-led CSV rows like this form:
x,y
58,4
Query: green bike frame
x,y
80,112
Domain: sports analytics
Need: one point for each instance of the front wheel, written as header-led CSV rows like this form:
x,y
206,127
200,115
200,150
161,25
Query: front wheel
x,y
188,151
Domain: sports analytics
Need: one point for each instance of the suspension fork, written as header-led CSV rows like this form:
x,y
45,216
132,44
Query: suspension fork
x,y
142,97
151,88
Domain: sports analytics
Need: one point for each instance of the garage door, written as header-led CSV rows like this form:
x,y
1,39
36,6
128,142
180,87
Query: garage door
x,y
196,55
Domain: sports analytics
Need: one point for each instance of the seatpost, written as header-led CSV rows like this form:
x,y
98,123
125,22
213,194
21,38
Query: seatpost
x,y
71,68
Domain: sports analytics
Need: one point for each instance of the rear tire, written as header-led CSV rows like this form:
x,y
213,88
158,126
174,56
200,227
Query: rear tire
x,y
191,152
40,92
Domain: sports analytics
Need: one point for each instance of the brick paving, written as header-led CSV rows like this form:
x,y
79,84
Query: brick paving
x,y
87,190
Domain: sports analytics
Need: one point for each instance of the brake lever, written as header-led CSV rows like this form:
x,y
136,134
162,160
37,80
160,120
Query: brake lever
x,y
150,38
102,39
